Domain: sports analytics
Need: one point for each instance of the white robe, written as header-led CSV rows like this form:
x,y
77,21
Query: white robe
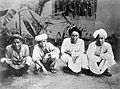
x,y
11,55
76,50
106,57
50,48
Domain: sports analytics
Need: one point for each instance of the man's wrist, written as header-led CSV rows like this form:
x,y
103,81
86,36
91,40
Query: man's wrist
x,y
101,56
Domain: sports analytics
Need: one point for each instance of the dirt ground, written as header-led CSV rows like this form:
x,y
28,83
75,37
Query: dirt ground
x,y
60,80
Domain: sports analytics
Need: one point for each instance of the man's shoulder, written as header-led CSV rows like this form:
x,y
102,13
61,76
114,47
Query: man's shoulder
x,y
67,39
25,46
92,43
107,44
8,47
80,40
49,43
36,46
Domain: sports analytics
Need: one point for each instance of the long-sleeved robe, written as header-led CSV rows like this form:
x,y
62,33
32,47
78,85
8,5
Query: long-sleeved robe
x,y
77,50
39,53
15,59
98,64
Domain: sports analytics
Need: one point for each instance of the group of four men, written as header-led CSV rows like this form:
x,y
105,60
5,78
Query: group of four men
x,y
98,57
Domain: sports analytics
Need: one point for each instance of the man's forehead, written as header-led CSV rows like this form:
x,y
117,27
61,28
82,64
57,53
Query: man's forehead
x,y
101,36
75,32
42,40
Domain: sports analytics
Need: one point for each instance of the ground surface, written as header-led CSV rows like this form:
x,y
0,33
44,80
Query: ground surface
x,y
60,80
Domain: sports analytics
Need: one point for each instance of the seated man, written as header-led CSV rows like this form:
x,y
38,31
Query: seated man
x,y
100,54
17,56
44,55
72,51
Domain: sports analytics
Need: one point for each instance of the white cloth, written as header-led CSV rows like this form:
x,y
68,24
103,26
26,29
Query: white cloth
x,y
41,37
81,62
38,53
77,50
28,62
100,31
106,57
23,56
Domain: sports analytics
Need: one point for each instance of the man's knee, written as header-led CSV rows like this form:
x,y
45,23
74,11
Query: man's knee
x,y
29,58
56,57
84,58
3,60
84,61
65,58
29,61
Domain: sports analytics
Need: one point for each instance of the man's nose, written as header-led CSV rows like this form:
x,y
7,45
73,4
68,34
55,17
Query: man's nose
x,y
16,43
43,43
75,36
100,39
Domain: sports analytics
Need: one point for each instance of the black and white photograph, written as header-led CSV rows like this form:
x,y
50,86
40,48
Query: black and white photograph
x,y
59,44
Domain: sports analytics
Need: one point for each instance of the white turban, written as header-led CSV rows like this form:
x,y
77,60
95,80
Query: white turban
x,y
101,31
41,37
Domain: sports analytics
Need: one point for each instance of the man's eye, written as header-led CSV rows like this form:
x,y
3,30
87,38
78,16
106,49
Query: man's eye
x,y
16,42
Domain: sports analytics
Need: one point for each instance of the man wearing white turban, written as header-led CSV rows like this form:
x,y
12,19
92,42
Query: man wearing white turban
x,y
100,54
44,55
